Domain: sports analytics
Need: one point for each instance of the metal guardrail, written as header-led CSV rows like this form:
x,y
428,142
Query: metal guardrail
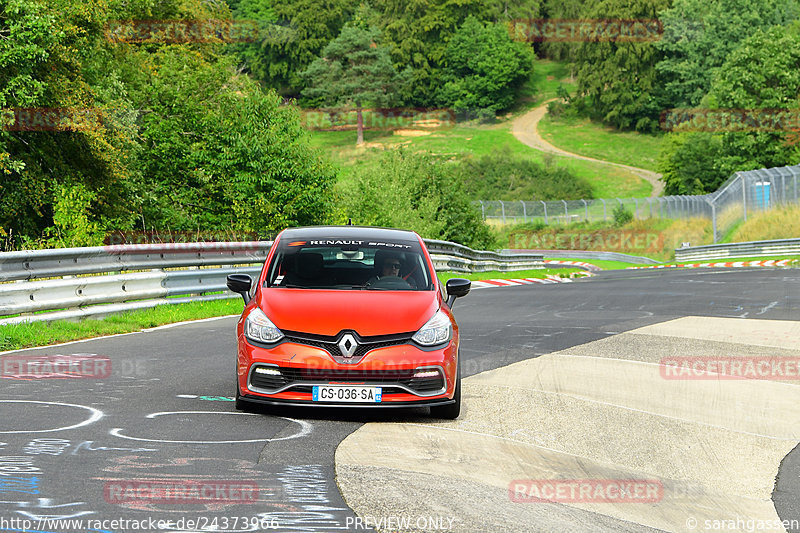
x,y
740,249
74,283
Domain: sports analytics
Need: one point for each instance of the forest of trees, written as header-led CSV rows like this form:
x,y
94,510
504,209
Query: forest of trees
x,y
187,134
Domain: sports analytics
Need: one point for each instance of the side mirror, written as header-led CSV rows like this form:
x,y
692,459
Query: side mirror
x,y
457,288
240,284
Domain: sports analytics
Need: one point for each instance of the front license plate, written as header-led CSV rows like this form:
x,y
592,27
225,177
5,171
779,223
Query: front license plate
x,y
322,393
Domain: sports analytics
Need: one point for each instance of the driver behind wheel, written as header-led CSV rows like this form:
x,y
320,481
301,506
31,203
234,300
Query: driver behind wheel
x,y
387,265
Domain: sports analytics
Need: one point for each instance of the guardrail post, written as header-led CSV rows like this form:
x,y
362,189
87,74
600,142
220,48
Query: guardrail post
x,y
545,210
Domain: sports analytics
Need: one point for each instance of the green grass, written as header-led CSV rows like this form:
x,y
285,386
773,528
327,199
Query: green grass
x,y
463,140
17,336
602,263
517,274
477,140
543,84
587,138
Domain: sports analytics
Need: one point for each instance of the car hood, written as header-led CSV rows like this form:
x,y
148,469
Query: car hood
x,y
367,312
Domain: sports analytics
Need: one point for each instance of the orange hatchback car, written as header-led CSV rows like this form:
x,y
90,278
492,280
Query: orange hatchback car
x,y
348,316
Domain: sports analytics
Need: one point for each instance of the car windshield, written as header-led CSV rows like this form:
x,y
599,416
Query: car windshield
x,y
349,265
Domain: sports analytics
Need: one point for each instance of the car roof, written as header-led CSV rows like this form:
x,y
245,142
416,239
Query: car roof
x,y
350,232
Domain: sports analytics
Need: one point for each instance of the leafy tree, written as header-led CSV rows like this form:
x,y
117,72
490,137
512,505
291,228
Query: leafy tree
x,y
484,68
760,77
354,70
43,46
292,34
562,9
699,36
689,163
417,31
502,176
618,78
418,192
763,73
621,216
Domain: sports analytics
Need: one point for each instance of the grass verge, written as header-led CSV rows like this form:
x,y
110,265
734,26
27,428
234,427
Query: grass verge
x,y
517,274
462,141
16,336
19,336
602,263
584,137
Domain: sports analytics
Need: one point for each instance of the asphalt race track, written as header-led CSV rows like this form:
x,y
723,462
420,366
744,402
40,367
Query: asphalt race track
x,y
157,413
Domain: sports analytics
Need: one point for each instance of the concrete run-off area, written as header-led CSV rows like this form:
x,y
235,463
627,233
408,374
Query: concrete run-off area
x,y
598,416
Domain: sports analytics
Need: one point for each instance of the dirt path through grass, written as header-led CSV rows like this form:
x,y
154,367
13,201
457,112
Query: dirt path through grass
x,y
525,130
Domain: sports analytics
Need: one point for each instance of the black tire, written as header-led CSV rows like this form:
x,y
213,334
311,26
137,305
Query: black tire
x,y
450,411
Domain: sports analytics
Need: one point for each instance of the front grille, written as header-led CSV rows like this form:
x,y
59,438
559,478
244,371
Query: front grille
x,y
330,343
298,379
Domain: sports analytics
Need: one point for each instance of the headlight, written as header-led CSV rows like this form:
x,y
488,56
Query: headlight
x,y
437,330
259,328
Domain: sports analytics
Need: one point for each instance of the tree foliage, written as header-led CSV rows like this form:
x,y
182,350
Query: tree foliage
x,y
483,68
175,137
761,77
418,192
292,33
699,35
353,71
502,176
619,78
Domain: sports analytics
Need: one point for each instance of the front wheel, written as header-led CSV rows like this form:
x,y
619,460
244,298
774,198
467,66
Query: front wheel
x,y
450,411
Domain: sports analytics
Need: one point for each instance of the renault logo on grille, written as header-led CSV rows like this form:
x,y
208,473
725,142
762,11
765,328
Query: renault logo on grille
x,y
348,345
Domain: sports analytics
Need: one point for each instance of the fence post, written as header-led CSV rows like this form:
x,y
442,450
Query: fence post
x,y
744,197
503,209
483,210
650,202
604,209
545,210
585,210
524,212
714,221
636,208
566,213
